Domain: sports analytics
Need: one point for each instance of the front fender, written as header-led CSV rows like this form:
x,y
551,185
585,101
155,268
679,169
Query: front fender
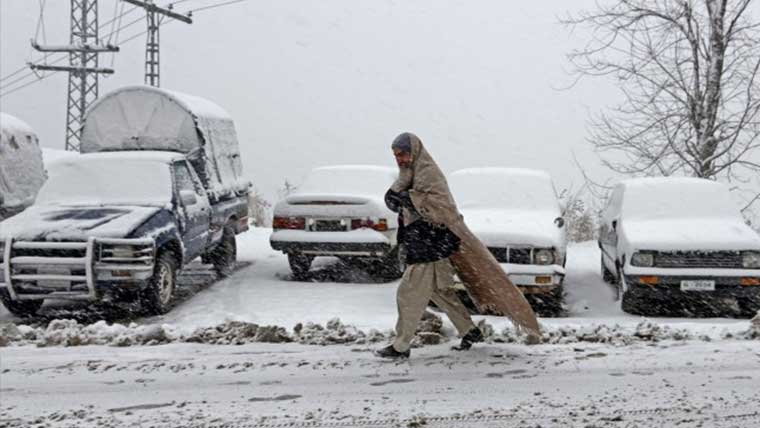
x,y
161,227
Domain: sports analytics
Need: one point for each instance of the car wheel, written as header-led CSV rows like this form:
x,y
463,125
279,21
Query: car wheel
x,y
393,265
299,264
224,256
633,304
548,305
19,308
158,295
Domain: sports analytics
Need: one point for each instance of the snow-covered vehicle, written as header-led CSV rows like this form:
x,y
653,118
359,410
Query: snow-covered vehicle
x,y
21,168
679,243
157,185
339,211
516,214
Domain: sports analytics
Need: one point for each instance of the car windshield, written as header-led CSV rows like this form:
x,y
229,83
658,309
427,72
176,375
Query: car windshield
x,y
518,190
660,199
107,182
350,180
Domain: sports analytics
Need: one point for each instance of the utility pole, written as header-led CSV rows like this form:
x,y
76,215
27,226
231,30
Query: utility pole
x,y
154,15
83,50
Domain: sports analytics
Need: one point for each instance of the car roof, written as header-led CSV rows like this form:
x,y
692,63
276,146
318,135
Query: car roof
x,y
512,172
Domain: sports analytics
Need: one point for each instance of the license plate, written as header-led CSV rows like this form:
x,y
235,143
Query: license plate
x,y
698,285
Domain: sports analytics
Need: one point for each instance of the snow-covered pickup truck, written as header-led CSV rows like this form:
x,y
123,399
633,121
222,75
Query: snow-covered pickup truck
x,y
679,243
516,214
21,169
119,220
339,211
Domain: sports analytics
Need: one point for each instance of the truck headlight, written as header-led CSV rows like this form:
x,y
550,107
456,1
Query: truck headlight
x,y
543,257
642,259
751,260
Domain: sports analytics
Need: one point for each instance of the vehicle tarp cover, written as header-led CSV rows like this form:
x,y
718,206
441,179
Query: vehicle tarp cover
x,y
22,172
148,118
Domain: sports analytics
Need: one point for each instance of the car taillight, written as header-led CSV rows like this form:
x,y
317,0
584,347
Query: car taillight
x,y
382,225
289,223
362,223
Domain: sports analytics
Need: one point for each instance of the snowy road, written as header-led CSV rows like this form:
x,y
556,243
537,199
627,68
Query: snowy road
x,y
706,379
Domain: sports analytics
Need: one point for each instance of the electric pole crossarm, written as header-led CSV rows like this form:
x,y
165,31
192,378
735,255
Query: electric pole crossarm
x,y
71,69
150,7
75,48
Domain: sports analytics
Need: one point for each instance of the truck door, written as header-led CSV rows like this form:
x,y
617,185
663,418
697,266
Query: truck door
x,y
194,210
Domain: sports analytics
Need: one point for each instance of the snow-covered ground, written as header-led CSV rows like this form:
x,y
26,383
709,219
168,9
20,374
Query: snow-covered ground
x,y
599,366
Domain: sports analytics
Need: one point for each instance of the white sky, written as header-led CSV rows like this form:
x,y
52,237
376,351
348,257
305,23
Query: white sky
x,y
314,83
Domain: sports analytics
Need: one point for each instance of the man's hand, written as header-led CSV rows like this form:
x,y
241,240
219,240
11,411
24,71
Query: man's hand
x,y
393,201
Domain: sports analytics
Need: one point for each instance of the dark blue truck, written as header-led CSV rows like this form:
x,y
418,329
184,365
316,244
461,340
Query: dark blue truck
x,y
157,185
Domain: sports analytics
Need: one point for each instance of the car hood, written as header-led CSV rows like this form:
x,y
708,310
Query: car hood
x,y
75,223
690,235
501,228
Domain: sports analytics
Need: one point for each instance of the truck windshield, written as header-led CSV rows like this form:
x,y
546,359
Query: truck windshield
x,y
107,182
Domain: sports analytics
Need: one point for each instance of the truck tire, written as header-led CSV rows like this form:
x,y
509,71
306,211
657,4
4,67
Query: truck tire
x,y
299,264
224,256
158,295
19,308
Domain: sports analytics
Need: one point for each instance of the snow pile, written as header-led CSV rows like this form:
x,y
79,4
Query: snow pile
x,y
430,331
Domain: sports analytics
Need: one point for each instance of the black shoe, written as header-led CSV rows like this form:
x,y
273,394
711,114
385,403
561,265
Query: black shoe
x,y
472,336
391,352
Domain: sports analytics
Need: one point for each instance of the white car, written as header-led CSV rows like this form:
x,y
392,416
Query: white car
x,y
516,214
22,172
679,243
339,211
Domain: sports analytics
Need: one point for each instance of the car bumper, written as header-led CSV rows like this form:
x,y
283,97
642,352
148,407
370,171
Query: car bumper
x,y
532,279
362,242
54,273
668,288
367,249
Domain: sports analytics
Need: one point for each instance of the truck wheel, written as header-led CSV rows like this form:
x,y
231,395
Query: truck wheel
x,y
299,264
550,305
224,256
19,308
158,294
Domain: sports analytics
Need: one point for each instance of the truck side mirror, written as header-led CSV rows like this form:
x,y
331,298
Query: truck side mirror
x,y
188,197
560,222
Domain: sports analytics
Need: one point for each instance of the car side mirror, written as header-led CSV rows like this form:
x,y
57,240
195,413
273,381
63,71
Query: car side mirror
x,y
614,224
560,222
188,197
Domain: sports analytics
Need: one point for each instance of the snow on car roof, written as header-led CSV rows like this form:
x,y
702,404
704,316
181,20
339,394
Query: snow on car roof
x,y
504,188
14,124
688,197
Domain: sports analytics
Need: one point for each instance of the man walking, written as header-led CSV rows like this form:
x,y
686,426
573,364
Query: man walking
x,y
429,274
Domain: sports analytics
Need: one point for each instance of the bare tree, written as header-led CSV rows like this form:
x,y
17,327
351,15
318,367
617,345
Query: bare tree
x,y
258,209
688,71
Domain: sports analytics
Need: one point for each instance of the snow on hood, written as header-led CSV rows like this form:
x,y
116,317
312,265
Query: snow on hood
x,y
75,223
686,234
500,228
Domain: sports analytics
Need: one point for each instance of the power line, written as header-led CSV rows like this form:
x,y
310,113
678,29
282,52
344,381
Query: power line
x,y
26,67
216,5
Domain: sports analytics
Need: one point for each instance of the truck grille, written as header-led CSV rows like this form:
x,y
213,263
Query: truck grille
x,y
699,259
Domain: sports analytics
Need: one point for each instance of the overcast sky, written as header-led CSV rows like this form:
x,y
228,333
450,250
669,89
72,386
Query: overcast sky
x,y
313,83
